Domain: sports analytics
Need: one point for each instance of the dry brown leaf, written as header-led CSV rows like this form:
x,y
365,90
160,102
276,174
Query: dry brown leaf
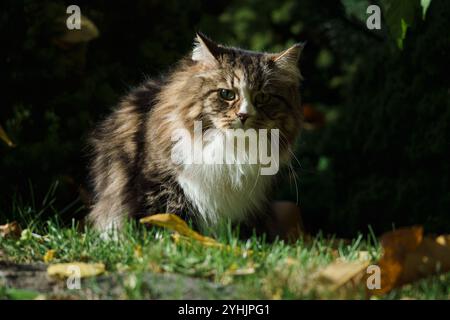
x,y
396,246
10,230
341,273
409,256
74,269
429,258
5,138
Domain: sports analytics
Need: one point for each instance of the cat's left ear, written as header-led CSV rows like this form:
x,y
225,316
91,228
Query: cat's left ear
x,y
205,50
289,58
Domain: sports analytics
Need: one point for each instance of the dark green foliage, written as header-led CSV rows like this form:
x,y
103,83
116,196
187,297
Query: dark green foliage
x,y
54,94
389,148
383,160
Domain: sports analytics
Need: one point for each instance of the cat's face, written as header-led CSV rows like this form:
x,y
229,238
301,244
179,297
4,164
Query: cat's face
x,y
244,89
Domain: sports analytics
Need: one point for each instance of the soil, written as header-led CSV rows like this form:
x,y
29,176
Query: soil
x,y
148,285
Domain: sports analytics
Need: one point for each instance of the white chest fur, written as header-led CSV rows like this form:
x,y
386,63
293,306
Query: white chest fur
x,y
222,192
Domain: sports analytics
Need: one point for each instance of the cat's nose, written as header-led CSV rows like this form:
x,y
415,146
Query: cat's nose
x,y
242,116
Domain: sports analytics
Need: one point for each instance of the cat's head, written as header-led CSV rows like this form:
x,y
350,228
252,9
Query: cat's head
x,y
230,88
247,89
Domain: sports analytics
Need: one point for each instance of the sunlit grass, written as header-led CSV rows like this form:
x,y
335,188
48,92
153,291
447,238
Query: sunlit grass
x,y
244,269
253,269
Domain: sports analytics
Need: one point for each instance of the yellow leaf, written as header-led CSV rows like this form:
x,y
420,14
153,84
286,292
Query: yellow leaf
x,y
242,271
178,238
184,234
87,32
138,251
443,240
175,223
5,138
277,294
75,269
49,255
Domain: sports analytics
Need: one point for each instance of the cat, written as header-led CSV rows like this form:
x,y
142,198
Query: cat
x,y
133,171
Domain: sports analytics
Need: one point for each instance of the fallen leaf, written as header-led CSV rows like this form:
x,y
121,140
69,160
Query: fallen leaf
x,y
277,294
236,250
49,255
184,234
5,138
409,256
178,238
340,273
75,269
137,251
429,258
10,230
396,245
243,271
175,223
234,270
87,32
443,240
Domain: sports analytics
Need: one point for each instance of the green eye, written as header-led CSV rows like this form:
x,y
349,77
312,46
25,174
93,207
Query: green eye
x,y
262,98
226,94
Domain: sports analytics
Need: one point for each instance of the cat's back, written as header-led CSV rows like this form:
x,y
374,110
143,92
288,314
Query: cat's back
x,y
117,145
119,129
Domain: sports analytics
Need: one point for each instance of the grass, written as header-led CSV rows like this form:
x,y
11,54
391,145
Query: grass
x,y
256,270
147,263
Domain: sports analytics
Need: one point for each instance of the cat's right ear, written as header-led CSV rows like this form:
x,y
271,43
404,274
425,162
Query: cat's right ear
x,y
205,50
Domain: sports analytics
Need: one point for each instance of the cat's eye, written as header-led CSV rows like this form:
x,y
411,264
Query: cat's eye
x,y
262,98
226,94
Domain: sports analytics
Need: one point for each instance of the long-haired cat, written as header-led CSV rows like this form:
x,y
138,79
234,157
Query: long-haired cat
x,y
221,87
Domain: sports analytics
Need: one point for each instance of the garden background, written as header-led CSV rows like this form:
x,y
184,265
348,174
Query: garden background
x,y
375,150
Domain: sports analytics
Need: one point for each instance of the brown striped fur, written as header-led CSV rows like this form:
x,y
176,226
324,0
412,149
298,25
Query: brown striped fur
x,y
132,171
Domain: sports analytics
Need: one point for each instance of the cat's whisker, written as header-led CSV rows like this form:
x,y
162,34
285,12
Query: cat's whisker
x,y
284,139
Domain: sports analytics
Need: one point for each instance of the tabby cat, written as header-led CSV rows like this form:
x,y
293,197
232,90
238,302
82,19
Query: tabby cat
x,y
132,171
